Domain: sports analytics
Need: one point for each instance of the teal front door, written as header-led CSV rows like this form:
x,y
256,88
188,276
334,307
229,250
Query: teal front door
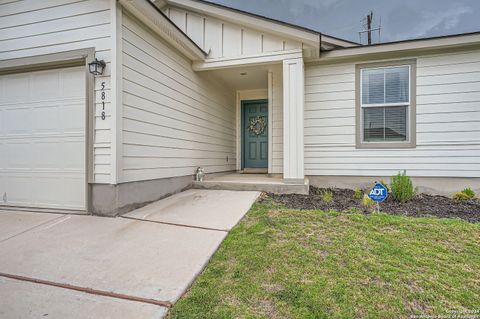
x,y
255,133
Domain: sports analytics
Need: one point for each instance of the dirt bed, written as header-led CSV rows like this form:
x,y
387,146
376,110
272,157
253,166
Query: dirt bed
x,y
422,205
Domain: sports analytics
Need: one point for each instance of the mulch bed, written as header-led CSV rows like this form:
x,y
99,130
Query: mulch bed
x,y
421,205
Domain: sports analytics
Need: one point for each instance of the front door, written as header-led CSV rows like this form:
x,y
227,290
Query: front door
x,y
255,133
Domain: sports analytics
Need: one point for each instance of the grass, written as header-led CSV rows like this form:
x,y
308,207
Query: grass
x,y
280,263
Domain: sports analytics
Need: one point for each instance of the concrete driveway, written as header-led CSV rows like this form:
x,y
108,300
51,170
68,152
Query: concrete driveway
x,y
136,266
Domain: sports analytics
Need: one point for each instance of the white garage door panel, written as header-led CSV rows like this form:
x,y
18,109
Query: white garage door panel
x,y
42,139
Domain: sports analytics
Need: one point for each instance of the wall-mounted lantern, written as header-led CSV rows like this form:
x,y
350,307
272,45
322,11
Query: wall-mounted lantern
x,y
96,67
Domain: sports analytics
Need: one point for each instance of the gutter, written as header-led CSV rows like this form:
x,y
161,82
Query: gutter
x,y
466,40
458,35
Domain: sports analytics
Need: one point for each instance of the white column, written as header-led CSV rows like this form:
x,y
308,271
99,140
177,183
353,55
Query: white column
x,y
270,121
116,93
293,97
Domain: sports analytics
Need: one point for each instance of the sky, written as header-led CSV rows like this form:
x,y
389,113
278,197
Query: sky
x,y
400,19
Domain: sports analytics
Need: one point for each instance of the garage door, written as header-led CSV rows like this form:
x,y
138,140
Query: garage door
x,y
42,139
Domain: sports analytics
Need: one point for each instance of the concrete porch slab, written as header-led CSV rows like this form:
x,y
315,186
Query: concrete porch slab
x,y
16,222
25,300
123,256
253,182
220,209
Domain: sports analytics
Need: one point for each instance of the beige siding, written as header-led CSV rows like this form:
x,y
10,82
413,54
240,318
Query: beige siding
x,y
33,27
225,39
448,121
173,118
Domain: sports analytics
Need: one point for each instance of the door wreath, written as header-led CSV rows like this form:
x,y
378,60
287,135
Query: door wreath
x,y
257,125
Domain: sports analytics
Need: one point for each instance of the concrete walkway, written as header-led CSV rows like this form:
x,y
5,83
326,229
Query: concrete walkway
x,y
72,266
220,209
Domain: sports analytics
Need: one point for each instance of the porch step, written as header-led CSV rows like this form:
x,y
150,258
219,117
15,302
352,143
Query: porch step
x,y
250,182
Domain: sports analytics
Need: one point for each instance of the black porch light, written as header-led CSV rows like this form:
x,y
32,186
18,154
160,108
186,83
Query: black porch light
x,y
96,67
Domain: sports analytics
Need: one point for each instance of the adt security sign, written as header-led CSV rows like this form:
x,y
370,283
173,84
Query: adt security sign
x,y
378,193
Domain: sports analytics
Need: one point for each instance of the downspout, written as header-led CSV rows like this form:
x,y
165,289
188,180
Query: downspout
x,y
320,46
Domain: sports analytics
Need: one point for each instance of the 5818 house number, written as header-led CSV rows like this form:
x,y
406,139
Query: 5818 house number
x,y
103,100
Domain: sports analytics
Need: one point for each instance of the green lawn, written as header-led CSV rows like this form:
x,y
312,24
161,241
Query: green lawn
x,y
281,263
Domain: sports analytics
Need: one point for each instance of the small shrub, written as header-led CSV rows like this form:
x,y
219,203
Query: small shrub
x,y
460,196
465,194
327,196
367,201
358,193
469,192
402,187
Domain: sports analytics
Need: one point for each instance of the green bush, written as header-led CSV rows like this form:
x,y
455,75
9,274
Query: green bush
x,y
327,196
358,193
460,196
465,194
469,192
402,187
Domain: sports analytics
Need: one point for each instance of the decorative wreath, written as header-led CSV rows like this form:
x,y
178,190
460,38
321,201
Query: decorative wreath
x,y
257,125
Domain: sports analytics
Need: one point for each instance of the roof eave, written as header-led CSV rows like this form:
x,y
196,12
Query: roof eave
x,y
406,46
337,42
149,14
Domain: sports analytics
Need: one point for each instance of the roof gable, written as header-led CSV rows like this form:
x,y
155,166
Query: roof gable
x,y
225,39
260,23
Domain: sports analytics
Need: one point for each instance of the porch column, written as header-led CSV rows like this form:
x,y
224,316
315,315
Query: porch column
x,y
293,96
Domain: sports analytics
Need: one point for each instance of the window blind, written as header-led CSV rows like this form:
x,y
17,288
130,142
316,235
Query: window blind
x,y
384,102
385,85
385,124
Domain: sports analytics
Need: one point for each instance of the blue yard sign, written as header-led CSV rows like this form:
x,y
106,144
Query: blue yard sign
x,y
379,193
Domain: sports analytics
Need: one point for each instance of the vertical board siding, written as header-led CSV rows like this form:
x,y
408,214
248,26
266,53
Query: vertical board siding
x,y
224,39
448,121
174,119
32,27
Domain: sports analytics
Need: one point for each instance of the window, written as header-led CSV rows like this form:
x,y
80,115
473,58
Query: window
x,y
385,105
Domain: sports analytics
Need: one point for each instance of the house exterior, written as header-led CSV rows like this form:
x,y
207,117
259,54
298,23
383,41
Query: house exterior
x,y
192,84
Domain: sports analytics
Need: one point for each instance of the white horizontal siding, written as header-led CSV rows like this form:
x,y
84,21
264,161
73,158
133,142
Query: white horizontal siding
x,y
225,39
53,26
33,27
448,121
174,119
